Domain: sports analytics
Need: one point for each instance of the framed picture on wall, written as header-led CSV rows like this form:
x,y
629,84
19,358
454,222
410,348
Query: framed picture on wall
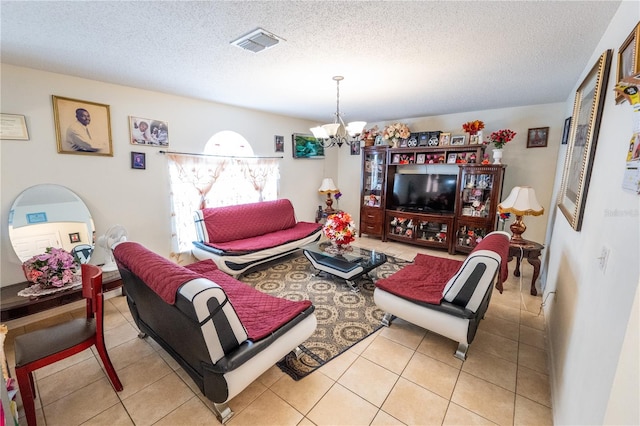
x,y
628,58
13,127
587,113
306,146
82,127
565,131
147,131
537,137
279,143
138,160
355,148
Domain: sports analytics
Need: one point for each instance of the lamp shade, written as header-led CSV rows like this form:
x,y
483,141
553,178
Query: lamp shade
x,y
319,132
522,202
328,187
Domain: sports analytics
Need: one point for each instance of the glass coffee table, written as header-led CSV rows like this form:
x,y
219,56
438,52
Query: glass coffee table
x,y
348,264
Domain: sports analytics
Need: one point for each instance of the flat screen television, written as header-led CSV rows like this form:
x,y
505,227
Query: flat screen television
x,y
428,193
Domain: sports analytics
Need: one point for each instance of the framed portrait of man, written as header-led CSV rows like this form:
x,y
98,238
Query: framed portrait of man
x,y
82,127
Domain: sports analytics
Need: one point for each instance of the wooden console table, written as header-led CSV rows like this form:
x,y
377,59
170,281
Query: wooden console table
x,y
13,306
531,251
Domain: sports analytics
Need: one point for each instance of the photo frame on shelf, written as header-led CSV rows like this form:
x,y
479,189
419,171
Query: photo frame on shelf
x,y
565,131
445,139
13,127
585,126
306,146
451,158
138,160
82,127
147,131
628,58
420,158
475,139
537,137
458,140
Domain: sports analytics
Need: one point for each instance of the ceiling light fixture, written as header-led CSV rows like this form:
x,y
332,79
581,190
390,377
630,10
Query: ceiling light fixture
x,y
338,133
257,40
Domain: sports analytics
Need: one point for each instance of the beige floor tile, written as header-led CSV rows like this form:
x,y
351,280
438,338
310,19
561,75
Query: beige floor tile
x,y
528,412
267,409
338,365
485,399
407,334
440,348
533,385
414,405
532,336
157,400
340,406
192,413
81,405
302,394
495,345
369,380
141,374
510,296
533,358
388,354
359,347
271,376
243,399
305,422
503,311
69,380
129,352
171,362
63,364
184,376
114,416
120,334
456,415
385,419
492,369
432,374
501,327
532,320
113,317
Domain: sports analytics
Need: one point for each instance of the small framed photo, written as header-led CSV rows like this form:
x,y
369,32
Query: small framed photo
x,y
537,137
475,139
451,158
565,132
355,148
146,131
74,237
279,143
445,139
396,159
82,127
628,58
138,160
458,140
13,127
420,159
403,143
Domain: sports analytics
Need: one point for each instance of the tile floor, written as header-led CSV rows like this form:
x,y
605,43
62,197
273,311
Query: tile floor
x,y
400,375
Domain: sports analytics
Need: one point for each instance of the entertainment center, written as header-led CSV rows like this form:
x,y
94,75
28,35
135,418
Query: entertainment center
x,y
413,195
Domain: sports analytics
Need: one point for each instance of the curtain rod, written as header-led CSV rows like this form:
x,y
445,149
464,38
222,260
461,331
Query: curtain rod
x,y
210,155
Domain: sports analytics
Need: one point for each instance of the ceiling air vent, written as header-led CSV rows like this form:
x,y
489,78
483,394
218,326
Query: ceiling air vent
x,y
257,40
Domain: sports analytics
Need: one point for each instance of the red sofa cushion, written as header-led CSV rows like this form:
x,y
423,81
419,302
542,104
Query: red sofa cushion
x,y
242,221
423,281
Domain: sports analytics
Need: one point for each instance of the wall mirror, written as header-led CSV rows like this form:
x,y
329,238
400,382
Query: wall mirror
x,y
49,215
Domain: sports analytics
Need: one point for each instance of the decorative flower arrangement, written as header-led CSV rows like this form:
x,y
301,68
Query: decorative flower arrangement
x,y
370,134
396,131
340,228
54,268
501,137
473,127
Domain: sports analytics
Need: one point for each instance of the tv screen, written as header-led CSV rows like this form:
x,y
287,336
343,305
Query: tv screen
x,y
425,192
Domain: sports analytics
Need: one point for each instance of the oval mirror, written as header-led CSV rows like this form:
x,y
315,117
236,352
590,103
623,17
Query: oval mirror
x,y
50,215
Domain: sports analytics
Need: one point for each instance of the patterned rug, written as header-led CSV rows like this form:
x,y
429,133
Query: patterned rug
x,y
344,317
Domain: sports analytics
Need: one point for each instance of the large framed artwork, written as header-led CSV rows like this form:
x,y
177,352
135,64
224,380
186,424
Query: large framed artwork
x,y
306,146
628,58
82,127
585,125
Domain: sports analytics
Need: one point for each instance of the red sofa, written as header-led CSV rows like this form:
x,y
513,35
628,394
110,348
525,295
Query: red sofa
x,y
239,237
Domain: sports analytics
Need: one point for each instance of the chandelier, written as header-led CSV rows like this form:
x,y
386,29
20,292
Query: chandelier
x,y
338,133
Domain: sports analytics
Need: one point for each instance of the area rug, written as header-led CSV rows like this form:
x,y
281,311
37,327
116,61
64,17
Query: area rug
x,y
344,317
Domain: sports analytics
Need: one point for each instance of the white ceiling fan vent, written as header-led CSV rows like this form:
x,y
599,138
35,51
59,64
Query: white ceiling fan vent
x,y
257,40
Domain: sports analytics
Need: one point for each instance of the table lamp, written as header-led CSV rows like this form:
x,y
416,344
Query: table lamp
x,y
522,202
328,187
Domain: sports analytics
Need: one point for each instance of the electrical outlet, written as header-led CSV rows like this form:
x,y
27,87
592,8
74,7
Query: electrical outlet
x,y
604,257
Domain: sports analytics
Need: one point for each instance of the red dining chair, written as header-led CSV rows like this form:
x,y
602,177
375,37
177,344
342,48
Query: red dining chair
x,y
43,347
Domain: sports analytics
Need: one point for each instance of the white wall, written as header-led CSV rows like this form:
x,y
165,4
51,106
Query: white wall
x,y
589,316
113,192
525,166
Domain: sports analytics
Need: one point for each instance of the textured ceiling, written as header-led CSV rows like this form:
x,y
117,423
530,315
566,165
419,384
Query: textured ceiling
x,y
399,59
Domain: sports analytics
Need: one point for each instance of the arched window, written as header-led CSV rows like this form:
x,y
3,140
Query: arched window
x,y
226,174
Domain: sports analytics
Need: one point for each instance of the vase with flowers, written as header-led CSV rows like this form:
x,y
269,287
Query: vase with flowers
x,y
499,139
369,135
54,268
473,127
340,229
394,132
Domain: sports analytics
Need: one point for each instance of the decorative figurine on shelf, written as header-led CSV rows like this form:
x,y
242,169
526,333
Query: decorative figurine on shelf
x,y
485,159
433,159
429,159
472,158
441,159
